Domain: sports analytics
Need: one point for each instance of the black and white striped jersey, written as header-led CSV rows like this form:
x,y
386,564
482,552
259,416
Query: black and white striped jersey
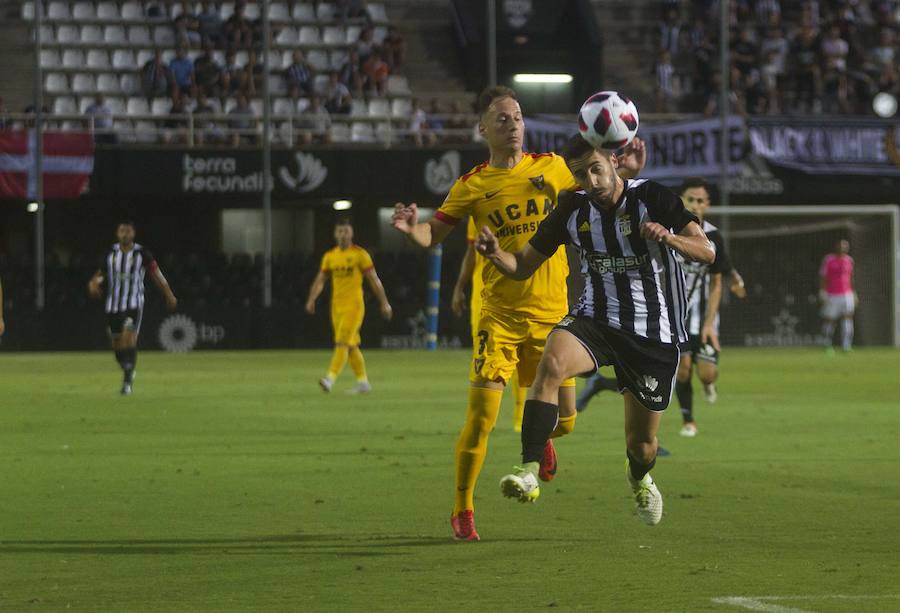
x,y
125,277
697,277
631,284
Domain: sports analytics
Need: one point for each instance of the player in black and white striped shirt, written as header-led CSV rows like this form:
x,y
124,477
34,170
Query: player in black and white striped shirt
x,y
122,271
631,314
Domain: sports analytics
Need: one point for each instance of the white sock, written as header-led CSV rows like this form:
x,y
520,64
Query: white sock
x,y
846,333
828,332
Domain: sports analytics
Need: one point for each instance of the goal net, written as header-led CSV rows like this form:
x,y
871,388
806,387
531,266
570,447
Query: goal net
x,y
779,249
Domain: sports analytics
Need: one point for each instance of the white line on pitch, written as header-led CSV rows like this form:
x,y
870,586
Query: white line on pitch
x,y
759,603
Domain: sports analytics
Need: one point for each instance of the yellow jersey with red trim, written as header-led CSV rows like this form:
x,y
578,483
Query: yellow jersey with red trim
x,y
347,267
512,202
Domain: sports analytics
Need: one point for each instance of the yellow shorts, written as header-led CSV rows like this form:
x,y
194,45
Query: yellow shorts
x,y
508,343
346,324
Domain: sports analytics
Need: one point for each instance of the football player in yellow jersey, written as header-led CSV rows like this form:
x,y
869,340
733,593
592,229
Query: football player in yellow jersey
x,y
511,193
471,270
347,264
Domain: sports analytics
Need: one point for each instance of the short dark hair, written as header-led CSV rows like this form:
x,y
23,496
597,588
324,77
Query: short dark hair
x,y
343,221
576,147
126,222
489,94
692,182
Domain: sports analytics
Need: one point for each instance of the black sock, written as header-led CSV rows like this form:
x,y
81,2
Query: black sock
x,y
538,421
639,469
685,394
120,357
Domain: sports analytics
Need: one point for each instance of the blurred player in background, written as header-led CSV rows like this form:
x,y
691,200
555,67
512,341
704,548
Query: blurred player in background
x,y
122,271
837,295
630,315
471,269
347,264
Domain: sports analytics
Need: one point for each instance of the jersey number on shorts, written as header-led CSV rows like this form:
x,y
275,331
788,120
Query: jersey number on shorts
x,y
482,345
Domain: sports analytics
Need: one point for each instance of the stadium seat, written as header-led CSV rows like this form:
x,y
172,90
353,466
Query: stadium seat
x,y
115,35
379,34
325,12
137,106
318,60
379,107
143,56
401,107
257,106
67,34
278,11
309,35
219,57
73,58
163,36
129,84
287,36
340,132
287,57
108,11
71,126
49,58
145,132
397,85
91,34
226,10
139,35
241,58
168,55
161,106
319,82
108,84
56,83
353,34
358,108
132,11
124,130
362,132
82,11
123,59
283,106
116,105
251,11
385,133
97,58
83,83
303,12
84,102
377,13
59,11
28,11
47,34
274,61
333,35
64,105
302,105
277,85
336,59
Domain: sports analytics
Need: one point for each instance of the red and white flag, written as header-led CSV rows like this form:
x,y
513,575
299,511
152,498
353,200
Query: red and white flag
x,y
68,164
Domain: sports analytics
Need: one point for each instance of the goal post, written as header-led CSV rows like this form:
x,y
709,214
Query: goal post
x,y
779,249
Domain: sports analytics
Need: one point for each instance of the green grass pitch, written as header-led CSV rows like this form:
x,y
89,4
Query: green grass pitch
x,y
230,482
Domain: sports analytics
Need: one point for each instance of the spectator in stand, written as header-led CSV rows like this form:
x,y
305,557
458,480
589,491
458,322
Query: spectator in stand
x,y
350,9
807,74
253,75
365,44
669,28
665,83
187,26
314,124
205,129
243,122
834,64
335,95
436,122
210,23
100,121
350,74
735,95
744,51
459,124
418,126
176,124
156,78
299,76
238,30
376,71
183,73
684,64
767,9
394,48
770,73
233,77
885,54
210,76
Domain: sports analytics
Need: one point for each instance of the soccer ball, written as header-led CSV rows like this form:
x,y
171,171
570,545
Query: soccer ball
x,y
608,120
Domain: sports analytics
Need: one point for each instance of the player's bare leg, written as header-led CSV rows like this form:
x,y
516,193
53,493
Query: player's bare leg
x,y
641,425
564,357
685,393
708,372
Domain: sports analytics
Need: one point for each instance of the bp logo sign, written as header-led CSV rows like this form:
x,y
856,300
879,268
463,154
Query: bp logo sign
x,y
179,334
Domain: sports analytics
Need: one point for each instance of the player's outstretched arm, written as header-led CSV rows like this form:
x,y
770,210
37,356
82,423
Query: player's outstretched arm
x,y
315,290
378,289
691,241
632,159
94,284
518,265
458,302
737,284
163,286
425,235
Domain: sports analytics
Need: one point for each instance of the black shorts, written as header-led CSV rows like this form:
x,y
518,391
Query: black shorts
x,y
702,351
646,368
116,323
